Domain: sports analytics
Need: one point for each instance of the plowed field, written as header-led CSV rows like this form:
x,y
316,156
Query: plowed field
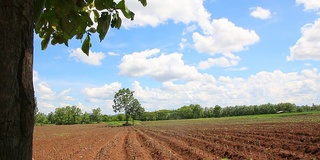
x,y
294,137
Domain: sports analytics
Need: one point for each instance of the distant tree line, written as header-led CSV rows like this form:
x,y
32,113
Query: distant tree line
x,y
196,111
74,115
69,115
124,101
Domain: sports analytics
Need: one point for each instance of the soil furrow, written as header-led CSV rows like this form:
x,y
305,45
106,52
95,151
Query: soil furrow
x,y
157,150
186,149
135,149
115,149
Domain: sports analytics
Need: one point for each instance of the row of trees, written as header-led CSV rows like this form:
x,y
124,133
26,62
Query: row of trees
x,y
74,115
124,101
70,115
134,111
196,111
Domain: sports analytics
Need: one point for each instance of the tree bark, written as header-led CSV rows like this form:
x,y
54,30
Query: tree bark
x,y
17,102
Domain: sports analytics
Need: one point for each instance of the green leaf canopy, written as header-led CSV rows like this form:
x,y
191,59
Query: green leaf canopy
x,y
58,21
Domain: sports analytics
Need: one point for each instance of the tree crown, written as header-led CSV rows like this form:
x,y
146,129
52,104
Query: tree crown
x,y
125,101
59,21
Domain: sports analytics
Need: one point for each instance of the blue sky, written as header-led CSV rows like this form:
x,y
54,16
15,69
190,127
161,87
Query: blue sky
x,y
175,53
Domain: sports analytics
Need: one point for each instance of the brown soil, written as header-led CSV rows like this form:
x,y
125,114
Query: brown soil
x,y
285,140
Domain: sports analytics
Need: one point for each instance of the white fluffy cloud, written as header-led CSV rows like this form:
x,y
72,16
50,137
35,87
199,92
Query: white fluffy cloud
x,y
105,92
217,36
47,99
224,36
281,87
259,12
308,46
310,5
183,44
113,54
310,74
163,67
228,60
94,58
264,87
189,29
45,91
159,12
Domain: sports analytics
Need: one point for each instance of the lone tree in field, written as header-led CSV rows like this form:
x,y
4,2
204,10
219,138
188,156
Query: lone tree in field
x,y
136,110
124,101
55,21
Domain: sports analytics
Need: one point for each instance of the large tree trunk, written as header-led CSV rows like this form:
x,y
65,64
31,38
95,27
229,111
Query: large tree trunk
x,y
17,101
